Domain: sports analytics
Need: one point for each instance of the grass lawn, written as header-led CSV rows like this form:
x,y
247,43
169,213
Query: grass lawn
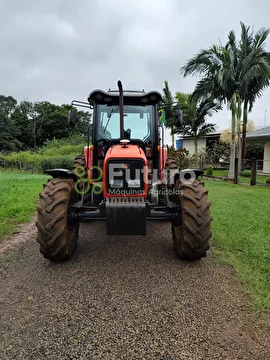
x,y
18,198
241,234
260,177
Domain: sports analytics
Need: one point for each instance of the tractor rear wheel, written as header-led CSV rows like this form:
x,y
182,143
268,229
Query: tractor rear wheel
x,y
79,162
57,239
79,168
191,238
171,163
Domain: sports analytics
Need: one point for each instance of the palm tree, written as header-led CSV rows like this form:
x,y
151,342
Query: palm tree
x,y
168,100
234,74
235,107
215,64
195,113
253,71
238,122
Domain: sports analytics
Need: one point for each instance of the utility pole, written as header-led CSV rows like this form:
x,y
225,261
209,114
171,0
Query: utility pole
x,y
265,113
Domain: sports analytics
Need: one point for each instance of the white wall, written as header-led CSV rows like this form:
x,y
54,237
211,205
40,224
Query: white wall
x,y
189,145
266,158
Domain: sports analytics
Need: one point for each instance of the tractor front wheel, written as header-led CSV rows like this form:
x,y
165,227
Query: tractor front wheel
x,y
191,238
57,239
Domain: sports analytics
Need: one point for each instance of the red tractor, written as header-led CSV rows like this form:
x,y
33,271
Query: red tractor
x,y
124,178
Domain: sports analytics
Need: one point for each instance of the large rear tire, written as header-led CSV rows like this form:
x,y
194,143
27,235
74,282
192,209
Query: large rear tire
x,y
79,168
191,238
171,163
57,239
79,162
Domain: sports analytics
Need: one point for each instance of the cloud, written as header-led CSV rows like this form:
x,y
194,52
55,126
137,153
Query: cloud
x,y
60,50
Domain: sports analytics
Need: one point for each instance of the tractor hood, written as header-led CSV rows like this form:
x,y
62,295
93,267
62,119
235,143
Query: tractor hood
x,y
127,151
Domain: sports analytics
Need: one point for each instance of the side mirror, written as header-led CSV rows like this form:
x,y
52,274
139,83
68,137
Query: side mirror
x,y
72,117
178,118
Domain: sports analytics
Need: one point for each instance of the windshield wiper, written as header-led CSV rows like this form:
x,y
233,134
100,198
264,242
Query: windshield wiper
x,y
109,118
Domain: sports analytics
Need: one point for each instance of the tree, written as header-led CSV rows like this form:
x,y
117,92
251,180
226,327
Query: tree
x,y
8,130
84,124
195,113
214,64
226,134
28,125
234,74
219,151
50,121
22,118
234,107
168,100
253,70
254,151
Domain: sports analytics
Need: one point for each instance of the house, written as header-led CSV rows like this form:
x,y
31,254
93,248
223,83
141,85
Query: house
x,y
187,142
259,136
262,136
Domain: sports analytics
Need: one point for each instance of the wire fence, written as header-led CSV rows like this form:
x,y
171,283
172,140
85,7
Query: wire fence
x,y
19,166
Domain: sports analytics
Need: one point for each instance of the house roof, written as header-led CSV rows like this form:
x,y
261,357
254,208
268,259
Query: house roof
x,y
260,133
187,137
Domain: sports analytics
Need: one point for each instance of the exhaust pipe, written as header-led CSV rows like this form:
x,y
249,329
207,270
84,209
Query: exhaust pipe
x,y
121,107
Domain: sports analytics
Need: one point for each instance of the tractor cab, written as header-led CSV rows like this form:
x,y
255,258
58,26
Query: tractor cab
x,y
137,122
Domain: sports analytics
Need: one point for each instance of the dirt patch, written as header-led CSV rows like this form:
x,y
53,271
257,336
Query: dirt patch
x,y
24,233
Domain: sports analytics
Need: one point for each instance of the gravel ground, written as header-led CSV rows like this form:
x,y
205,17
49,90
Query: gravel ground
x,y
125,298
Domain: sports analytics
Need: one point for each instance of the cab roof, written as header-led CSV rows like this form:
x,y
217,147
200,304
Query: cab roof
x,y
130,97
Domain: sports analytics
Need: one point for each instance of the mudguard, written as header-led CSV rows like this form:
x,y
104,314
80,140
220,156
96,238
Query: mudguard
x,y
61,173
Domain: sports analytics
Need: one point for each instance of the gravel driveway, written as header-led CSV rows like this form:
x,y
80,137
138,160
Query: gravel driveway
x,y
125,298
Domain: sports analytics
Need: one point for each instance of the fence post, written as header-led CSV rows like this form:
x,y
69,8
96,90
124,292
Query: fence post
x,y
236,170
253,172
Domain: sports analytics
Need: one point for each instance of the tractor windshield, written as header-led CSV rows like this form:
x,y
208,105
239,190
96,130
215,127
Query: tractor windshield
x,y
138,122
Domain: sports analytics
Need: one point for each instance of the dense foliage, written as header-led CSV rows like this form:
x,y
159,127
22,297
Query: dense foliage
x,y
28,125
53,154
235,74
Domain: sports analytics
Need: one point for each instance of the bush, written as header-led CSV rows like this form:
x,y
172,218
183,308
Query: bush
x,y
254,150
64,150
60,162
267,180
54,154
209,170
216,152
180,155
246,173
36,162
63,147
58,143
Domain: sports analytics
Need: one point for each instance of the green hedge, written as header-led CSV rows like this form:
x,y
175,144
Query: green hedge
x,y
54,154
36,162
64,150
64,162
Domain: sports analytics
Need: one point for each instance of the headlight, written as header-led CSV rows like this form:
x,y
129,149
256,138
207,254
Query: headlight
x,y
136,183
116,183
